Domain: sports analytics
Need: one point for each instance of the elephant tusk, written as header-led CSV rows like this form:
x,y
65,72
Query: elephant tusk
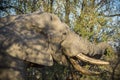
x,y
91,60
81,69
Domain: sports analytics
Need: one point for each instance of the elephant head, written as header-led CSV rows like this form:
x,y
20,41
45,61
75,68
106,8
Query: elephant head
x,y
41,38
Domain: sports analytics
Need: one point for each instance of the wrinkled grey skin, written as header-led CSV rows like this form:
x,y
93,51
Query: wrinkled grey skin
x,y
38,38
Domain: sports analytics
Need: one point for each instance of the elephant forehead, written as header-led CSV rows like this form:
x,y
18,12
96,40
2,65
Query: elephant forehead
x,y
58,26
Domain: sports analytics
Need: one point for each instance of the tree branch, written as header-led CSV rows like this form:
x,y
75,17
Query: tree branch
x,y
112,15
3,8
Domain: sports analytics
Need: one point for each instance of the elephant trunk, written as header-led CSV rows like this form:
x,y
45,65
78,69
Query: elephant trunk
x,y
75,46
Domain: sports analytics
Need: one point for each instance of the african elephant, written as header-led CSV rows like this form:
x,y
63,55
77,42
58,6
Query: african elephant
x,y
41,38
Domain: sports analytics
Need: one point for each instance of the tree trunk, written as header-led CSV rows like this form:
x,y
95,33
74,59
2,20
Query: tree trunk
x,y
67,12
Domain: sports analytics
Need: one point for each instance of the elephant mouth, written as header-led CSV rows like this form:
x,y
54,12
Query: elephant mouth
x,y
84,58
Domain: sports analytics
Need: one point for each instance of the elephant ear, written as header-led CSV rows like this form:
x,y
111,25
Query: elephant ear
x,y
26,44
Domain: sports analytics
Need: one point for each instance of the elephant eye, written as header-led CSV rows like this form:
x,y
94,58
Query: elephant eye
x,y
64,33
51,18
